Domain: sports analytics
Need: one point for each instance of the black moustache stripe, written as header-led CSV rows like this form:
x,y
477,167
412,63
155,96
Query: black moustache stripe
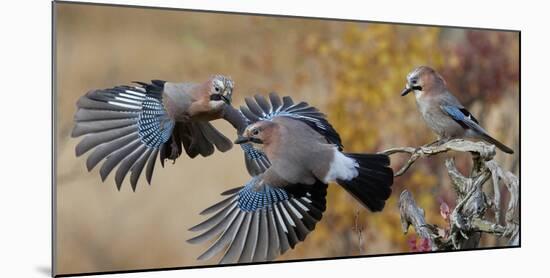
x,y
256,140
215,97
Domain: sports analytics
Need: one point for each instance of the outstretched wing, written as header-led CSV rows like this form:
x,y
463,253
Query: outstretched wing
x,y
259,109
259,222
125,126
256,161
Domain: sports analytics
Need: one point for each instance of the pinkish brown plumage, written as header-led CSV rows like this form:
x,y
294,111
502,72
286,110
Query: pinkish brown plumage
x,y
441,111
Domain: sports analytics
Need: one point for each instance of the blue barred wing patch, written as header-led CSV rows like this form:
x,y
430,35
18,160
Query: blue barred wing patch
x,y
463,117
125,126
253,197
253,153
155,127
256,161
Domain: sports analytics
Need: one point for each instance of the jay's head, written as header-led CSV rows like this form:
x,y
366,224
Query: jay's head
x,y
220,89
423,79
261,132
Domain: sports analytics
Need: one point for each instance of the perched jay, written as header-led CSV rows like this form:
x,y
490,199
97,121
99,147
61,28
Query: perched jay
x,y
442,111
129,126
278,208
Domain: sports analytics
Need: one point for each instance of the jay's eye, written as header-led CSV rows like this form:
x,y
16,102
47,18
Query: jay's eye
x,y
255,132
217,89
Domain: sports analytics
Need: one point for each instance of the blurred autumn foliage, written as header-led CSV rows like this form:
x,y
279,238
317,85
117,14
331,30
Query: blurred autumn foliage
x,y
352,71
368,64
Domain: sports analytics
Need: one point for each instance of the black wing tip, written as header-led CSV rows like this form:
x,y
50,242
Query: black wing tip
x,y
154,88
231,191
103,176
194,240
74,132
143,84
258,96
204,212
118,184
78,153
193,229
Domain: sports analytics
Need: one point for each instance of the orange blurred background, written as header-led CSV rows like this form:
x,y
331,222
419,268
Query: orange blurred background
x,y
352,71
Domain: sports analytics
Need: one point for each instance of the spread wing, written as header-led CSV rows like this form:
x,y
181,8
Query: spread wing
x,y
125,126
256,161
129,127
259,222
259,108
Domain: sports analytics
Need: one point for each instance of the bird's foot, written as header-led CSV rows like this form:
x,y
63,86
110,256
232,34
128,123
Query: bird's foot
x,y
175,152
435,143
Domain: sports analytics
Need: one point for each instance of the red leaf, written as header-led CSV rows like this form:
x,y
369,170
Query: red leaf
x,y
412,244
424,245
444,210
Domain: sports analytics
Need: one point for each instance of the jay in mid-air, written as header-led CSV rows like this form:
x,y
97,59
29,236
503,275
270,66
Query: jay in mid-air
x,y
130,126
442,111
291,151
279,207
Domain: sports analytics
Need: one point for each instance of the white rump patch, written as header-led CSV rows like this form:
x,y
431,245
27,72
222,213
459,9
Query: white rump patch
x,y
341,167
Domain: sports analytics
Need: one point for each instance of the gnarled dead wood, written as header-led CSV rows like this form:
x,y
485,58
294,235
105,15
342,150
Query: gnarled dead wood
x,y
467,220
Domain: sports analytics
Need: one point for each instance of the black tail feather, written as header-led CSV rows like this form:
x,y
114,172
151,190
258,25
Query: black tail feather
x,y
497,143
372,187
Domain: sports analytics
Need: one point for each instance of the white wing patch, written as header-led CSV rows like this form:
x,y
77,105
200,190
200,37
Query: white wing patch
x,y
125,105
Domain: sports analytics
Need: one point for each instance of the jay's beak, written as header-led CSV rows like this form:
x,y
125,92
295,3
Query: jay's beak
x,y
409,89
226,97
406,91
241,140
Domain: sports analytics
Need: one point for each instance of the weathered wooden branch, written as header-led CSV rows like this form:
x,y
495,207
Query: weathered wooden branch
x,y
467,220
483,150
413,215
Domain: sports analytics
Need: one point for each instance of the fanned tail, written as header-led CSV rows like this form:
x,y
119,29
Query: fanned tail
x,y
372,185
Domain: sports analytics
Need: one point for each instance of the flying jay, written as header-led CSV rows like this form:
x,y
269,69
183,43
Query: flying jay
x,y
441,111
279,207
130,126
